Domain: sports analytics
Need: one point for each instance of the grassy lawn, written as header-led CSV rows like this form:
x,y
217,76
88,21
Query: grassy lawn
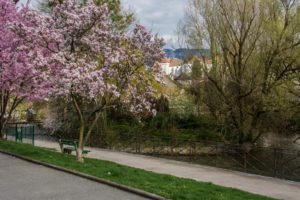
x,y
164,185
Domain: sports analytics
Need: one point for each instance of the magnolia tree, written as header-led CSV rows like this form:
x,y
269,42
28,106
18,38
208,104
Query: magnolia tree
x,y
76,53
97,64
23,72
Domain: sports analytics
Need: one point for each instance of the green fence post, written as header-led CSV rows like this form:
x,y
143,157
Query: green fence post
x,y
33,135
16,132
21,134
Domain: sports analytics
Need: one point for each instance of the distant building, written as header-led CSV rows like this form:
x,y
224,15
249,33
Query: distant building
x,y
179,70
170,66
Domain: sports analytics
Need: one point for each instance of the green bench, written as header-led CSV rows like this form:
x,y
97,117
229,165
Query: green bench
x,y
68,146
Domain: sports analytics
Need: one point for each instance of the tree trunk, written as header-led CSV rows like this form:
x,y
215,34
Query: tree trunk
x,y
3,122
198,109
2,128
81,131
79,155
80,144
6,109
91,127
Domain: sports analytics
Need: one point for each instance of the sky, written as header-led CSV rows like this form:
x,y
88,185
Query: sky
x,y
160,16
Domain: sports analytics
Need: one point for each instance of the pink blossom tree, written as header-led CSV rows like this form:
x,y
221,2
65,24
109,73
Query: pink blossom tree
x,y
23,71
76,53
98,64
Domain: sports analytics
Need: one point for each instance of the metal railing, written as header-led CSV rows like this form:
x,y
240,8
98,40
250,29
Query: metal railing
x,y
20,132
268,161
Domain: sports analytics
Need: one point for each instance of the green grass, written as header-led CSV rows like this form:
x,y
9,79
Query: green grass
x,y
164,185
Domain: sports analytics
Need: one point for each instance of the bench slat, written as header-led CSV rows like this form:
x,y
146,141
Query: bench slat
x,y
68,142
71,145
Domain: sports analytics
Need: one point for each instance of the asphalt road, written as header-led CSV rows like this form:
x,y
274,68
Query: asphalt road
x,y
21,180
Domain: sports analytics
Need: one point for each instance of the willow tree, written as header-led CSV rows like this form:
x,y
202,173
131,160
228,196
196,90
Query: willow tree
x,y
255,53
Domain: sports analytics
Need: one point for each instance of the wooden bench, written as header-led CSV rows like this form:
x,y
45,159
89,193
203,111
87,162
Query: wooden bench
x,y
68,146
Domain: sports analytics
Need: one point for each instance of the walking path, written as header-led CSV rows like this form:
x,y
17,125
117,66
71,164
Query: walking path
x,y
21,180
272,187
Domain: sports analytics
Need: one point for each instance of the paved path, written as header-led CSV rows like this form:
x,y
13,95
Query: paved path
x,y
21,180
272,187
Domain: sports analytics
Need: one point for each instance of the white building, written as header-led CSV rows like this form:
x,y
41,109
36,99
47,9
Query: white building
x,y
174,67
171,66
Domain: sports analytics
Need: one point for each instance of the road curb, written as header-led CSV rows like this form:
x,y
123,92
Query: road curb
x,y
89,177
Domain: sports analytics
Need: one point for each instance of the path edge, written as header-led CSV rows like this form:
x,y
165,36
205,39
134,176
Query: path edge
x,y
89,177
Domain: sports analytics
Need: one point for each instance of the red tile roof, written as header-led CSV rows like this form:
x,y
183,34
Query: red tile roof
x,y
173,61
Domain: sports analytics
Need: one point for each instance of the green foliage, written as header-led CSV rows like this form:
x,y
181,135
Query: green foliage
x,y
167,186
167,125
196,89
120,18
180,103
162,104
183,127
196,70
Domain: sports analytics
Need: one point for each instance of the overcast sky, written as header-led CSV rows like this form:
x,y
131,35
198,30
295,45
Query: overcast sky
x,y
161,16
